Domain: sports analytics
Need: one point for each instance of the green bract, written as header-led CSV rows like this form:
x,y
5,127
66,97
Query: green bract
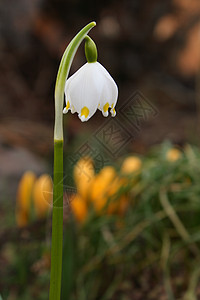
x,y
90,50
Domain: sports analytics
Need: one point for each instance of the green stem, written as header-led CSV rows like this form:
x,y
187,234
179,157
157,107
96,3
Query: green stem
x,y
57,223
57,219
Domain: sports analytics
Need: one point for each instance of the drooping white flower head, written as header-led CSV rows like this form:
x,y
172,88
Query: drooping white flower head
x,y
89,89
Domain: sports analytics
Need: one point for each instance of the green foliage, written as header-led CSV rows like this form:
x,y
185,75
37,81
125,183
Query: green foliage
x,y
152,250
159,233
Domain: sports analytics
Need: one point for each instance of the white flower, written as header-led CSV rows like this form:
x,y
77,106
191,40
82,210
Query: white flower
x,y
91,87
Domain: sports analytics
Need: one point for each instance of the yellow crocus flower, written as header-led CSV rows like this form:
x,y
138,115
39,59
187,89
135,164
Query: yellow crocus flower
x,y
42,195
83,176
24,195
104,185
131,164
173,154
79,208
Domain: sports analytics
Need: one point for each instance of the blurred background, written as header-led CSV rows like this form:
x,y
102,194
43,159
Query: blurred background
x,y
147,46
150,46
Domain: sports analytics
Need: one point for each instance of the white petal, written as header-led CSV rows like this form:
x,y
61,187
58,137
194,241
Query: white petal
x,y
91,87
69,106
83,90
109,94
65,110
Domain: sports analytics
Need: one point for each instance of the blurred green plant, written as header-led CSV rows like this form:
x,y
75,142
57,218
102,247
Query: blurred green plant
x,y
150,251
159,231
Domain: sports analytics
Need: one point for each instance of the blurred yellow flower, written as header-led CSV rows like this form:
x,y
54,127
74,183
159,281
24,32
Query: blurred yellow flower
x,y
79,208
173,154
100,190
33,194
24,195
22,218
117,203
83,175
42,195
102,187
111,196
131,164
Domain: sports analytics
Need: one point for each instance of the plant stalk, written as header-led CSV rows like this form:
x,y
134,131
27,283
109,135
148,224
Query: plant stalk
x,y
57,218
57,223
